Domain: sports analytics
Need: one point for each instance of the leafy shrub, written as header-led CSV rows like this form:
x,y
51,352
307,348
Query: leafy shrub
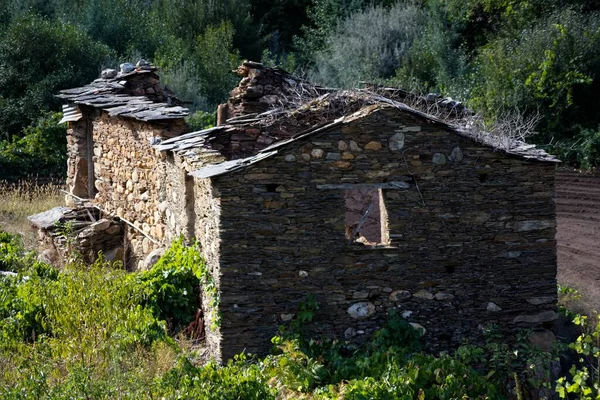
x,y
584,380
550,66
183,78
369,45
11,252
172,287
201,120
238,379
589,157
93,332
41,151
397,332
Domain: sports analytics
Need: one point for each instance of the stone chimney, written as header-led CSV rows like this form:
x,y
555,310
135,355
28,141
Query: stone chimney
x,y
139,80
261,89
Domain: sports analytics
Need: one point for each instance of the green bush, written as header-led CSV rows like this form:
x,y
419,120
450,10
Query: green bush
x,y
41,151
583,382
550,67
96,331
238,379
183,78
201,120
171,289
38,57
12,254
369,45
589,157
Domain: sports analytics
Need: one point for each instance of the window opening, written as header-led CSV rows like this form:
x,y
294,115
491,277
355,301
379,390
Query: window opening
x,y
272,187
366,217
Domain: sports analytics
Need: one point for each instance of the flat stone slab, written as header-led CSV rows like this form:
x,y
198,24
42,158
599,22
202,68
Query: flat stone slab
x,y
47,219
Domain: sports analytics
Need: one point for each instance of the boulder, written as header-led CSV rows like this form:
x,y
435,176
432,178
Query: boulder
x,y
535,319
108,73
126,68
423,294
152,258
399,295
543,339
361,310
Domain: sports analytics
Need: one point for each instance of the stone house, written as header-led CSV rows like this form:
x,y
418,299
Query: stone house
x,y
112,123
351,196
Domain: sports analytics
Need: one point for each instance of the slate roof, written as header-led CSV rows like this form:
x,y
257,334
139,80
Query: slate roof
x,y
111,95
205,160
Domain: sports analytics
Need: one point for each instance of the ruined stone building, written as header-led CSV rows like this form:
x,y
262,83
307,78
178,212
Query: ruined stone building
x,y
351,196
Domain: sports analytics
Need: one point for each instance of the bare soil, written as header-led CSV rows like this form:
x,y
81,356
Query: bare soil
x,y
578,236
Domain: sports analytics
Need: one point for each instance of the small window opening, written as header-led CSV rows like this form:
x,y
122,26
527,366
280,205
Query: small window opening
x,y
483,177
450,269
366,217
272,187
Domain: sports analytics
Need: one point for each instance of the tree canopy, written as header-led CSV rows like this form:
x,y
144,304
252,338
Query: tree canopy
x,y
535,56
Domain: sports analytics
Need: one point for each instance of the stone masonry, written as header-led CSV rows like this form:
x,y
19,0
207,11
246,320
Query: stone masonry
x,y
353,197
472,236
130,178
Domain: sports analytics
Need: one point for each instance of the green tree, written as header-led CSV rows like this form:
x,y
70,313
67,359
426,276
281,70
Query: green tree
x,y
126,26
216,58
38,57
41,151
552,67
437,61
188,19
369,45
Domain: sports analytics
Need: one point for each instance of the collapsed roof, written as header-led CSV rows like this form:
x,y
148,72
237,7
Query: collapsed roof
x,y
290,109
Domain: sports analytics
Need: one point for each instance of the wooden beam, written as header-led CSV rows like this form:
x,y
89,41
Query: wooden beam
x,y
397,185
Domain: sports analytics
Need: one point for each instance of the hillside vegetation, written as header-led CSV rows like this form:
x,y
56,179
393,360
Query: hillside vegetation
x,y
529,56
98,332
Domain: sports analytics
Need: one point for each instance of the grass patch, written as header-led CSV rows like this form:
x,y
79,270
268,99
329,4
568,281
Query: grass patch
x,y
22,199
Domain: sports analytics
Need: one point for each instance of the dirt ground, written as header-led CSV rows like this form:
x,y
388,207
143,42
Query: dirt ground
x,y
578,235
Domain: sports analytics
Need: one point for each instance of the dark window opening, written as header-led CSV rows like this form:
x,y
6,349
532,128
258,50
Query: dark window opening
x,y
483,177
450,269
272,187
366,217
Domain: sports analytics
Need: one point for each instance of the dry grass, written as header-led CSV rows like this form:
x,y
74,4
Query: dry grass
x,y
18,201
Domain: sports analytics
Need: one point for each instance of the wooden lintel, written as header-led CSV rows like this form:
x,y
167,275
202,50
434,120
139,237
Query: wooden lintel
x,y
348,186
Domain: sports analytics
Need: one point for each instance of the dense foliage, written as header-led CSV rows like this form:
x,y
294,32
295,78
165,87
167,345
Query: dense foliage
x,y
96,331
535,56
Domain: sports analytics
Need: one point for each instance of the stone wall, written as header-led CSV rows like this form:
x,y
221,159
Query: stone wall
x,y
178,203
207,209
79,157
471,236
145,84
130,177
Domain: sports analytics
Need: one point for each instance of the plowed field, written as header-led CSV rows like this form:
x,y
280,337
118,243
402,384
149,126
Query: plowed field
x,y
578,234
